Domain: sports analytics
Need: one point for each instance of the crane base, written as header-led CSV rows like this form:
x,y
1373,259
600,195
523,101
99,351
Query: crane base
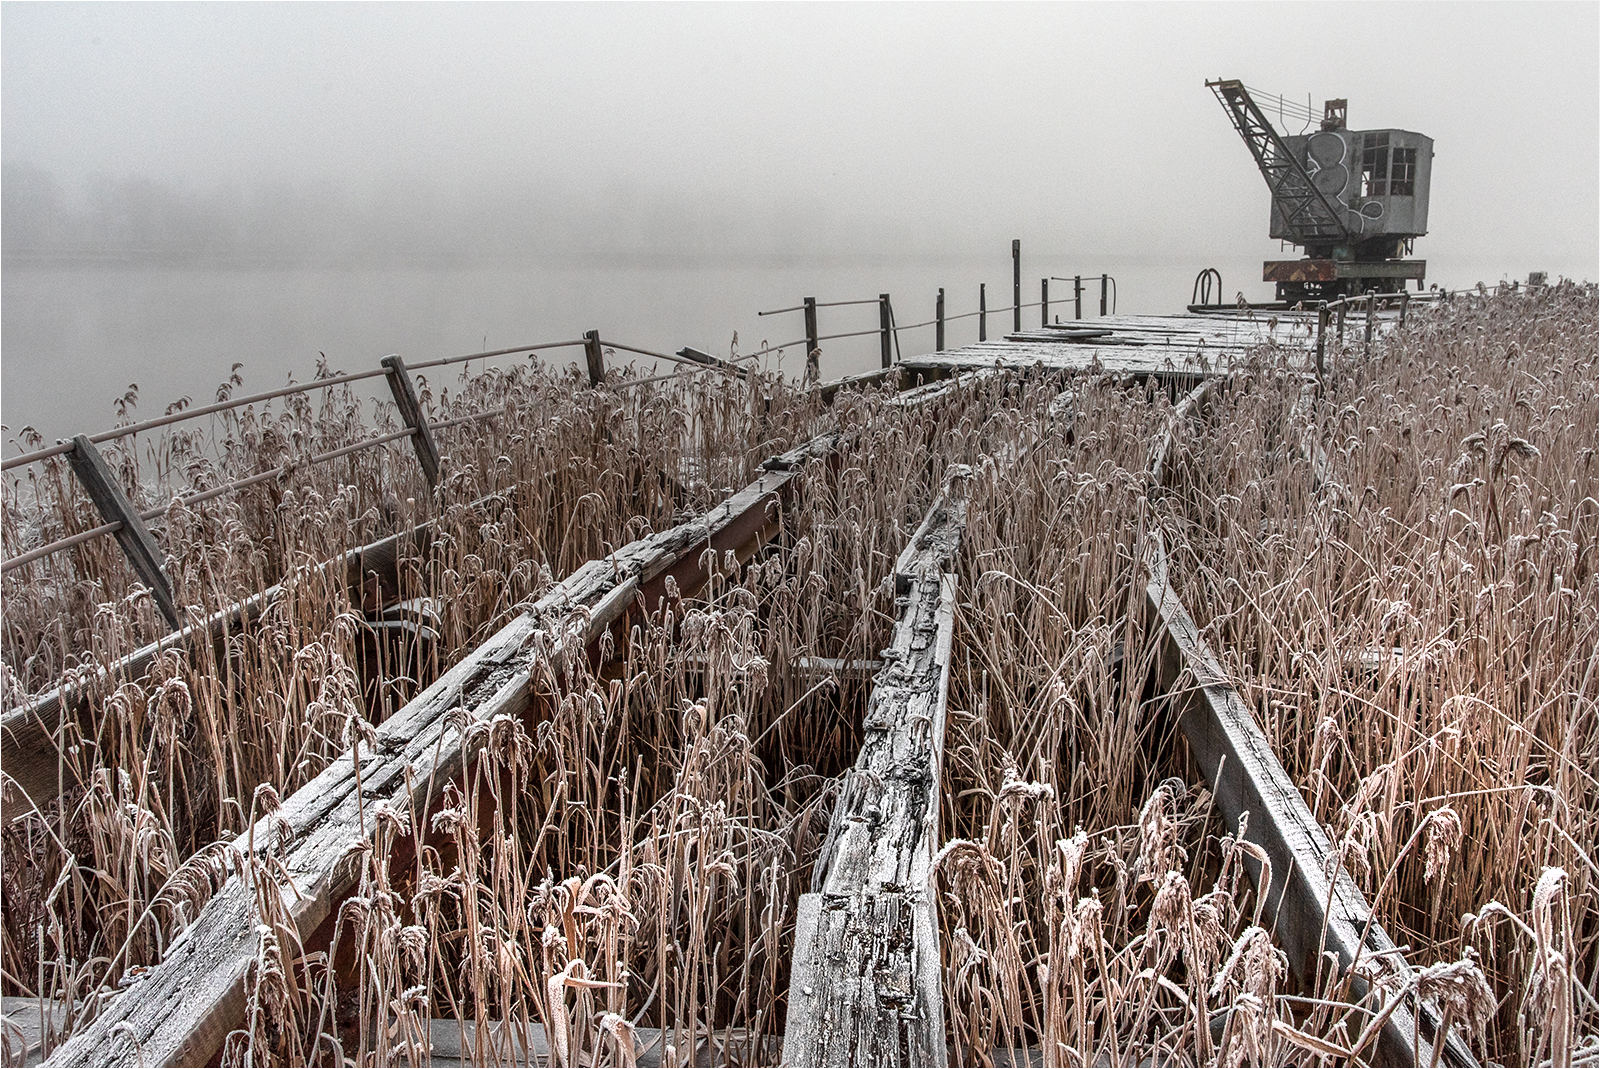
x,y
1322,280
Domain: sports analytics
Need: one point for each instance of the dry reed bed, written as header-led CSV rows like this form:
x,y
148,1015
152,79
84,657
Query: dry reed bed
x,y
95,885
632,858
1418,636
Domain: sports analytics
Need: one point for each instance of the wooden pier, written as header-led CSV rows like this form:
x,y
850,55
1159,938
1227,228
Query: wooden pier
x,y
864,986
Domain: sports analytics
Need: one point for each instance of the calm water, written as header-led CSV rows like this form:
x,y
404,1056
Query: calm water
x,y
74,337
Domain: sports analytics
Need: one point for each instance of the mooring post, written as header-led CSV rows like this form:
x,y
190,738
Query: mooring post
x,y
100,483
1103,294
591,353
983,313
884,327
1372,307
1322,332
938,319
1077,296
1016,284
405,401
811,328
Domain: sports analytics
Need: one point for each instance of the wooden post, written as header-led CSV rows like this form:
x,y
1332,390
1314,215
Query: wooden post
x,y
405,399
811,328
983,313
1044,302
1322,333
1372,307
1340,329
591,352
1077,296
1103,294
938,320
100,483
1405,302
883,327
1016,284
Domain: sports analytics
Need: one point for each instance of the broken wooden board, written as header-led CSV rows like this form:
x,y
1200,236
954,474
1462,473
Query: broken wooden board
x,y
181,1010
864,984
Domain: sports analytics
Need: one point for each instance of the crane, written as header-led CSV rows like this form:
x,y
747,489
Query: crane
x,y
1353,200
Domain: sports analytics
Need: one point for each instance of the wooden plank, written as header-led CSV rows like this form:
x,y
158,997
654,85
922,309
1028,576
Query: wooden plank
x,y
1309,911
180,1011
864,983
101,484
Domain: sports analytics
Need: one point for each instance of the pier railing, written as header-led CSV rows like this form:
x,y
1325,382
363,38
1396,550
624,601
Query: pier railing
x,y
123,520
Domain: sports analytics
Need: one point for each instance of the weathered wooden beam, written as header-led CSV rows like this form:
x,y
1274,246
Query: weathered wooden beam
x,y
180,1012
100,483
410,409
1311,912
864,984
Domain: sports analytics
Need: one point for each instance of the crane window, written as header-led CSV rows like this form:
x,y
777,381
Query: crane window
x,y
1403,172
1375,165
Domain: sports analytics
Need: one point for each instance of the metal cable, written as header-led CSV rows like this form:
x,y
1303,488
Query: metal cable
x,y
493,352
282,469
672,357
60,544
191,413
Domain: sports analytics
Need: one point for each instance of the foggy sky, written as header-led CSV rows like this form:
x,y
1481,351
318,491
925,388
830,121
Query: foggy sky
x,y
467,132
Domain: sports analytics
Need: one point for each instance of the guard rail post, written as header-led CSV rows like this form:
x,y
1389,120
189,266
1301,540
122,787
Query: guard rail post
x,y
1341,322
100,483
938,319
1016,284
1077,296
983,312
1372,307
1405,302
1044,302
405,400
811,328
1103,294
1322,332
884,328
595,359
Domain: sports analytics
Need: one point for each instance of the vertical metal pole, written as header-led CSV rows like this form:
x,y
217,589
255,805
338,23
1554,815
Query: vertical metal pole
x,y
983,312
811,326
405,401
100,483
1341,320
591,352
883,327
1077,296
1044,302
938,316
1322,333
1102,294
1016,284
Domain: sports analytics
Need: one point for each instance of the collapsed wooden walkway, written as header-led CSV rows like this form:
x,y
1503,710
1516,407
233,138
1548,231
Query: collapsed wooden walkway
x,y
865,976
